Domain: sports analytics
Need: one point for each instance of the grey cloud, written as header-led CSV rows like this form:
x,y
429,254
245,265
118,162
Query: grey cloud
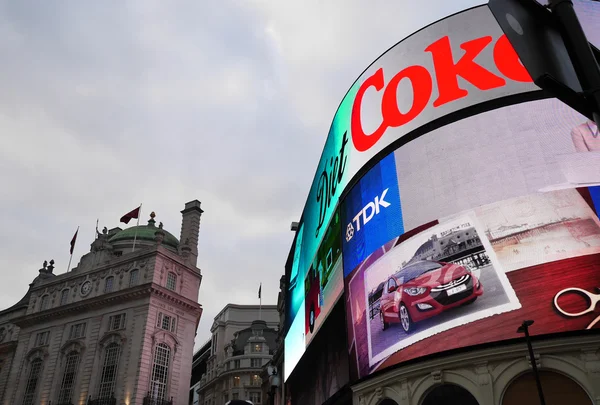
x,y
108,104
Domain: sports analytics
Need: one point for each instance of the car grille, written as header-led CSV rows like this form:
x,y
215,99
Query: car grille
x,y
440,294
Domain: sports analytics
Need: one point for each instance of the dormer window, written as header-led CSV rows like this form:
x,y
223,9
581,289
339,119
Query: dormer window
x,y
171,281
256,348
108,284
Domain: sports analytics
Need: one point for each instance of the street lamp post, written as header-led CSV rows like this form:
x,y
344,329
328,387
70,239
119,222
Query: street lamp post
x,y
274,382
524,328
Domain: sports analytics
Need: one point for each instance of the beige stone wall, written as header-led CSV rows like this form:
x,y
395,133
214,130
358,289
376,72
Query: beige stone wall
x,y
486,374
138,339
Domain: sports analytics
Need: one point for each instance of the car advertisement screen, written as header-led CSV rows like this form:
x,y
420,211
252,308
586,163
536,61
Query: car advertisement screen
x,y
493,219
439,134
500,224
446,68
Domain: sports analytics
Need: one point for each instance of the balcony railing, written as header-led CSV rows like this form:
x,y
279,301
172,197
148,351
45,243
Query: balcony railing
x,y
149,400
102,401
60,403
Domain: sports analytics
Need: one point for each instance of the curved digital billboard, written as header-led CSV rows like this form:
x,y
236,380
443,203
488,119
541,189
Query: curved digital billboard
x,y
436,137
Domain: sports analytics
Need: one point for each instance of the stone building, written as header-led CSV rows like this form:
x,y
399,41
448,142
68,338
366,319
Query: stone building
x,y
198,369
243,341
117,329
272,372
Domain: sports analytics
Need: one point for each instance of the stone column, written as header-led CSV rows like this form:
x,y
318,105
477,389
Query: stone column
x,y
190,228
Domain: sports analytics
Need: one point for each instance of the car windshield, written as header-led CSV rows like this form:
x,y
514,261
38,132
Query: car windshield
x,y
413,271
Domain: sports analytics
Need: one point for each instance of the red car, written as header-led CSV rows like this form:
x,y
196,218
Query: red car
x,y
424,289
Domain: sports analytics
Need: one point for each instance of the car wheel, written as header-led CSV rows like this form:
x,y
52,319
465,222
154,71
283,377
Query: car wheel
x,y
405,320
383,322
311,318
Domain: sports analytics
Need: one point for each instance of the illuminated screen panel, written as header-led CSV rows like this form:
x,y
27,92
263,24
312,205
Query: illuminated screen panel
x,y
499,214
455,68
393,97
487,218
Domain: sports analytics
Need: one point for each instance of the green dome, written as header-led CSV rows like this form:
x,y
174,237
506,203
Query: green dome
x,y
145,233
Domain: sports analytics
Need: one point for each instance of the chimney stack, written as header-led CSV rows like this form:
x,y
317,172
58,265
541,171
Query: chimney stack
x,y
190,227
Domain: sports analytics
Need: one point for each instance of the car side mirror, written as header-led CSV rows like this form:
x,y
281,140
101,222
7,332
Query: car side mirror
x,y
392,288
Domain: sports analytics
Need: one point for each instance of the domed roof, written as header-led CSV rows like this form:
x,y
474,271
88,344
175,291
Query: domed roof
x,y
145,233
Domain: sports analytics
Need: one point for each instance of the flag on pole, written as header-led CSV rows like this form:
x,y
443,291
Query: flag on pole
x,y
134,214
259,288
73,241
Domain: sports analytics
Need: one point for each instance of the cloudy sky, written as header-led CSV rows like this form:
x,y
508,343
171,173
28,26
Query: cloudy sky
x,y
105,105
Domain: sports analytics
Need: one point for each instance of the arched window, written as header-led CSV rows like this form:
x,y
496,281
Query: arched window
x,y
68,379
160,371
171,281
44,302
108,377
133,277
558,389
450,394
108,284
64,297
32,382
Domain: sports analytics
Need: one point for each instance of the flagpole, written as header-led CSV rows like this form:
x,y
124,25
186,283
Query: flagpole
x,y
136,229
71,257
260,302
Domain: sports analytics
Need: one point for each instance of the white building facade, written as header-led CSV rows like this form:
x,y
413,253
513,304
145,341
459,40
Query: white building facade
x,y
117,329
243,341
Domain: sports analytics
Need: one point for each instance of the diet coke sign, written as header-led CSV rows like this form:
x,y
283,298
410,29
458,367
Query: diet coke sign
x,y
456,63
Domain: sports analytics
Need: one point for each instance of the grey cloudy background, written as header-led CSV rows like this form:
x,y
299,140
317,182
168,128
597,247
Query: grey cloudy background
x,y
106,104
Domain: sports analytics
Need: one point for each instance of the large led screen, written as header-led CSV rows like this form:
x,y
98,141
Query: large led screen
x,y
406,169
456,63
499,214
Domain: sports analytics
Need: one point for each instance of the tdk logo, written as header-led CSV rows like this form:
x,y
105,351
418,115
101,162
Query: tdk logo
x,y
367,213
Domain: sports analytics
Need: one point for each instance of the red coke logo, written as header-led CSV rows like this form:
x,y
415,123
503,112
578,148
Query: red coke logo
x,y
446,75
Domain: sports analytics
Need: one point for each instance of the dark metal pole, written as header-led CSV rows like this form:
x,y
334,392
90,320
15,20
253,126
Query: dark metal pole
x,y
584,61
525,329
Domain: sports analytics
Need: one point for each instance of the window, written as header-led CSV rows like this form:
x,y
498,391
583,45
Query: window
x,y
227,366
116,322
108,284
44,303
171,281
225,398
64,297
42,338
32,382
256,380
236,381
108,377
255,363
256,348
68,380
236,364
235,395
255,397
133,277
160,372
166,322
77,331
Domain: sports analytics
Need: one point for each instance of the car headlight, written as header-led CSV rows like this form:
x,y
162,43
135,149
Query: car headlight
x,y
413,291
